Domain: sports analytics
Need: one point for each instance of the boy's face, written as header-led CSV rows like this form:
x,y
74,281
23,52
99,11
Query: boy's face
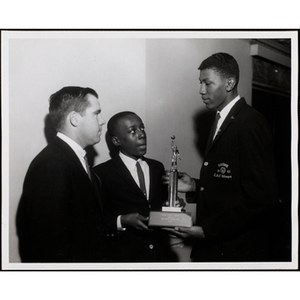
x,y
213,89
130,136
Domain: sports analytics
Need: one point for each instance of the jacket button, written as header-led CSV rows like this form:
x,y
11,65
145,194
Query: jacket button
x,y
206,164
202,189
151,246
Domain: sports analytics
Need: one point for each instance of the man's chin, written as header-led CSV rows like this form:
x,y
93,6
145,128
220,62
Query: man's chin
x,y
142,153
96,141
210,107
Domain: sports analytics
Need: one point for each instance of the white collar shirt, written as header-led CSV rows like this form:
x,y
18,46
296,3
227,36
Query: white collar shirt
x,y
130,163
79,151
224,112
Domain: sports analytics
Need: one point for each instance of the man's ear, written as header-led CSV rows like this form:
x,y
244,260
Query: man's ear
x,y
231,82
73,118
115,141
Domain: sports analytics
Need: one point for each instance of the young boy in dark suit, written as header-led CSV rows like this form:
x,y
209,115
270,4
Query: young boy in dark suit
x,y
132,186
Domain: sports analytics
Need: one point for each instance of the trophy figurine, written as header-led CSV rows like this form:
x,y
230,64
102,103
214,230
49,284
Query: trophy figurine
x,y
173,177
171,215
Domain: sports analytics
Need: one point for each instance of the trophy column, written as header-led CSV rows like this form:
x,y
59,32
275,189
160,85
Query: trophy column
x,y
171,216
173,180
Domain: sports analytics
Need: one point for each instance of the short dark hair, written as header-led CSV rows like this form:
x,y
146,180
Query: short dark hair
x,y
224,64
67,99
113,121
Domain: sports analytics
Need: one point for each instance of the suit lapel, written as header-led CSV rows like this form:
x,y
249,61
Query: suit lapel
x,y
77,164
229,119
152,178
96,184
125,175
70,153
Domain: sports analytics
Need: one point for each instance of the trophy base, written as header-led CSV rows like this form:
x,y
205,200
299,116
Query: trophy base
x,y
169,219
171,209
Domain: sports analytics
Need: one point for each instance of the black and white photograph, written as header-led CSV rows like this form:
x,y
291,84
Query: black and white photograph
x,y
112,161
150,155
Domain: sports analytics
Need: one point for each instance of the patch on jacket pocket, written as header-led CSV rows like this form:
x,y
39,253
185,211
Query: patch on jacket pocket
x,y
223,171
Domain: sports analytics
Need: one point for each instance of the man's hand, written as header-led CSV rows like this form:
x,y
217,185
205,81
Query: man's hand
x,y
178,203
187,232
185,182
135,221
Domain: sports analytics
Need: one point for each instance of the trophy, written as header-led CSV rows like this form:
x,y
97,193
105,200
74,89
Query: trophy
x,y
171,215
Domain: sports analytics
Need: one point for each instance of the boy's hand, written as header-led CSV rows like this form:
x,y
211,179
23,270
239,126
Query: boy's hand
x,y
135,221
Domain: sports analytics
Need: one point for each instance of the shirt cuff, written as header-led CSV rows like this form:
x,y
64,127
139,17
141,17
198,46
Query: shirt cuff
x,y
119,224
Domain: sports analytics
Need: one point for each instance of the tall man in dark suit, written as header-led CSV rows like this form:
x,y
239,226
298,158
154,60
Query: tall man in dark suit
x,y
60,217
132,185
236,192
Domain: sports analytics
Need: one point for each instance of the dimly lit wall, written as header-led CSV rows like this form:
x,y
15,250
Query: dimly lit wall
x,y
155,77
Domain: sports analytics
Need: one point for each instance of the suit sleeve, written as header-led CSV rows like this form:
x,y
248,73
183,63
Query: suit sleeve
x,y
258,175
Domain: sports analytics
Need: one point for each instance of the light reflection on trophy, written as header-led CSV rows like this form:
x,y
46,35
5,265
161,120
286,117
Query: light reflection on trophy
x,y
171,215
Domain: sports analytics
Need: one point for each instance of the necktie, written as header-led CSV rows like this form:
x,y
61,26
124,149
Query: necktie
x,y
87,167
141,178
213,130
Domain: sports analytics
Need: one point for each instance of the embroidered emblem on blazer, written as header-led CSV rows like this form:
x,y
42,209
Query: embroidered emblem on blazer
x,y
223,171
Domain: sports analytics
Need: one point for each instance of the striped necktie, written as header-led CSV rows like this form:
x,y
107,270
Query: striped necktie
x,y
213,131
214,127
141,178
87,167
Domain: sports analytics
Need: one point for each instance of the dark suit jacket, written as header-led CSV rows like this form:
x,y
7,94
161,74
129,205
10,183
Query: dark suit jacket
x,y
121,195
237,189
60,215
